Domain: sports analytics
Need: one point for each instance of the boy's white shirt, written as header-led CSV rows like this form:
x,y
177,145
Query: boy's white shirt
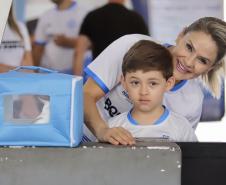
x,y
170,126
185,100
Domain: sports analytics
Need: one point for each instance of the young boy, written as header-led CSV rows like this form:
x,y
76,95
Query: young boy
x,y
147,73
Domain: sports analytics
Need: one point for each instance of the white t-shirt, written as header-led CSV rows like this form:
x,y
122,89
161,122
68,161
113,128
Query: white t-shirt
x,y
13,47
185,98
54,22
169,126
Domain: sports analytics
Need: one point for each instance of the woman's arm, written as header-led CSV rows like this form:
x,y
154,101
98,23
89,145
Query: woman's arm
x,y
93,120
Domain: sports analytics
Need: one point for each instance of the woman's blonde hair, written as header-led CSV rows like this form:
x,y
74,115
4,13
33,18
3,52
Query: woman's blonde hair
x,y
216,28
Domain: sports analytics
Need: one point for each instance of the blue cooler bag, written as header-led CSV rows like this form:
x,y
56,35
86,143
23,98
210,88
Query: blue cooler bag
x,y
40,109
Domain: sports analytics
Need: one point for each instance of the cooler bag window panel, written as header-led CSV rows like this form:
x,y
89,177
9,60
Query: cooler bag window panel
x,y
26,109
54,114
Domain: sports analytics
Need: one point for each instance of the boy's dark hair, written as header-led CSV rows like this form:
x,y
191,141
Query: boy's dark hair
x,y
147,55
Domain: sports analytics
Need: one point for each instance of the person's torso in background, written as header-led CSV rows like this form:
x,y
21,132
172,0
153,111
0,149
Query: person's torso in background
x,y
65,22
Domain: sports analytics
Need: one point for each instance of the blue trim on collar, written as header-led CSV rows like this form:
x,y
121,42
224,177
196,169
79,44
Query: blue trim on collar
x,y
130,118
179,85
157,122
162,117
96,79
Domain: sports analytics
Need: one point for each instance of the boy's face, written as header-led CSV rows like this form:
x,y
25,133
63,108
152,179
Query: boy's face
x,y
146,89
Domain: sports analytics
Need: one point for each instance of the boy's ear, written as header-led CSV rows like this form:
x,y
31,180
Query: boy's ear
x,y
123,81
170,83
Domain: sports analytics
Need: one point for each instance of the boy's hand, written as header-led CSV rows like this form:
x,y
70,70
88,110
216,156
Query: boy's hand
x,y
116,136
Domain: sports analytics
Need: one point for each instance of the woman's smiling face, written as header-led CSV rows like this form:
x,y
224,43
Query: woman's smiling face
x,y
194,54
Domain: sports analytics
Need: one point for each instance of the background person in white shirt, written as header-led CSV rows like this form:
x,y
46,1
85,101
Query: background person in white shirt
x,y
56,34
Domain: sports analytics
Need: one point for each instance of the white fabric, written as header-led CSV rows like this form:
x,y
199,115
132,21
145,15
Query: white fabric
x,y
174,128
13,47
54,22
187,100
44,116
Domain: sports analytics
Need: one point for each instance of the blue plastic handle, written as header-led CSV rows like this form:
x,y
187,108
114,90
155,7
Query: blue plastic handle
x,y
40,69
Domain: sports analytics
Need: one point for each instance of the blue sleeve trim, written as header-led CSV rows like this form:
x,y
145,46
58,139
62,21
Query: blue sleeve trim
x,y
157,122
85,139
96,79
41,43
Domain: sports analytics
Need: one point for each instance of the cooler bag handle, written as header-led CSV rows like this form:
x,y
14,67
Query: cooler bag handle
x,y
36,68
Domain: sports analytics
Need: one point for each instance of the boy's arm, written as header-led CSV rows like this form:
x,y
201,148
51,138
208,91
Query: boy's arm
x,y
93,120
